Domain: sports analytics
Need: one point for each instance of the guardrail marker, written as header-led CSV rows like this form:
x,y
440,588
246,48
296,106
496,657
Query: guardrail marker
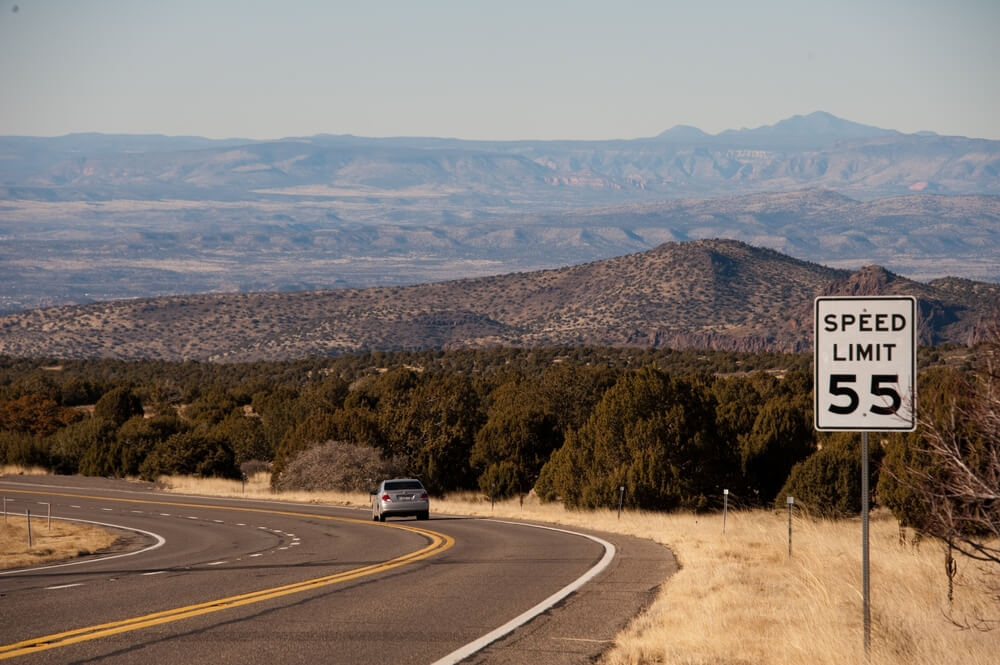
x,y
725,508
791,503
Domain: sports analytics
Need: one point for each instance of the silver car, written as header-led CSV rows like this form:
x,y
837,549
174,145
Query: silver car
x,y
400,497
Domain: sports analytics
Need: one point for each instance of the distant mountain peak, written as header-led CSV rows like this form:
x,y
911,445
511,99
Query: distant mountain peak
x,y
683,133
811,131
821,122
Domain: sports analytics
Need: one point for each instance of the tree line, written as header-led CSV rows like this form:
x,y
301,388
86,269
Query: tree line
x,y
674,428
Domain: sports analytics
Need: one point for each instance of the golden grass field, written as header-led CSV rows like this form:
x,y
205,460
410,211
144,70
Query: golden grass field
x,y
50,541
739,598
55,542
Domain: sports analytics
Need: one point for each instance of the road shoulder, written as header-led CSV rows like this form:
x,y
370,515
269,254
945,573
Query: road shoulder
x,y
584,625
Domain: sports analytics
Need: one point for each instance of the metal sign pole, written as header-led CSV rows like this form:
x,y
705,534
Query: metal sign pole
x,y
865,577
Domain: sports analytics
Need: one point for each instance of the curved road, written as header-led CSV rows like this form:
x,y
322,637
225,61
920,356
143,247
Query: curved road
x,y
226,581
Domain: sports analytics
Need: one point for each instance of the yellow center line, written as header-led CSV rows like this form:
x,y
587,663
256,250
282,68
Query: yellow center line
x,y
439,542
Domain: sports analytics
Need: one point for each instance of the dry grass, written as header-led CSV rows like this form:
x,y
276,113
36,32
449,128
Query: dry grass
x,y
18,470
61,540
739,598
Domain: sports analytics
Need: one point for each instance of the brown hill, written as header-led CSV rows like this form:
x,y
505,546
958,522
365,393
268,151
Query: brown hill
x,y
719,294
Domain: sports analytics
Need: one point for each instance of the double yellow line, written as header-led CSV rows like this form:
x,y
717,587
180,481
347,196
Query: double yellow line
x,y
438,543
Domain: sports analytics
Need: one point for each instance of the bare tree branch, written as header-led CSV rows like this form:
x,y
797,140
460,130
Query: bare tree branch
x,y
956,472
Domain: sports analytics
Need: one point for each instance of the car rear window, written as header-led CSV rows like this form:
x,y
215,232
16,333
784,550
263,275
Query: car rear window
x,y
404,485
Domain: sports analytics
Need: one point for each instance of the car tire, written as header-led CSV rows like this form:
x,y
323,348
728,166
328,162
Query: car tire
x,y
426,515
381,517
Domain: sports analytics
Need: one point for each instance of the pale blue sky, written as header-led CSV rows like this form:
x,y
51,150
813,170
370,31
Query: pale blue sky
x,y
493,70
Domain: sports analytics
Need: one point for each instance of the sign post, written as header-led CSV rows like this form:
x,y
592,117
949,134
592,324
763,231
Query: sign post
x,y
865,371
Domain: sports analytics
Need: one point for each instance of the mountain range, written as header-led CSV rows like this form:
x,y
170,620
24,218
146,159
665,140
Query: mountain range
x,y
720,294
94,217
816,150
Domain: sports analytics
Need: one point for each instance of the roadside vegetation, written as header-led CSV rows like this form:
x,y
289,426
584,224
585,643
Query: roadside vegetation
x,y
555,434
57,541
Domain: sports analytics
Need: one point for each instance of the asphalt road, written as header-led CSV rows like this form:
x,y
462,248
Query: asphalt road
x,y
208,580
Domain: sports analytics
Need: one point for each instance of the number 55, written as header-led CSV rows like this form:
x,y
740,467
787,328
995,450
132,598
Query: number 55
x,y
880,388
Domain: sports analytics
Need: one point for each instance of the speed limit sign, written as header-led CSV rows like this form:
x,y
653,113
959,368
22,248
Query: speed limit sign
x,y
865,358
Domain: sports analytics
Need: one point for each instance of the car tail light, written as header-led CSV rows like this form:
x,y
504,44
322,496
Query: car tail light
x,y
386,497
423,495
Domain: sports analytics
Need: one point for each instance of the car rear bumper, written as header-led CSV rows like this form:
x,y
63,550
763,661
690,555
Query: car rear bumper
x,y
403,508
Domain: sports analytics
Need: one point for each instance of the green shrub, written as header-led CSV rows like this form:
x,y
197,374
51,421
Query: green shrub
x,y
118,405
651,433
828,482
501,480
190,454
69,446
22,449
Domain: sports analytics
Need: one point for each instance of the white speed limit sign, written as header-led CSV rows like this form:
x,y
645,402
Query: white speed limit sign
x,y
865,358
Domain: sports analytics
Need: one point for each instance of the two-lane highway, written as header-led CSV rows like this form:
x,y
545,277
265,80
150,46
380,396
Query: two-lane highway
x,y
249,582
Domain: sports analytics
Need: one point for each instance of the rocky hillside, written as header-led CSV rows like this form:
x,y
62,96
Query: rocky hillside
x,y
719,294
80,252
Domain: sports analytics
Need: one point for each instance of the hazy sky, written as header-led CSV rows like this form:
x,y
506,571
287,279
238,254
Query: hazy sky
x,y
493,70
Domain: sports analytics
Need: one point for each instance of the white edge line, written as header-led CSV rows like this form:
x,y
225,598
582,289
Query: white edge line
x,y
160,541
472,647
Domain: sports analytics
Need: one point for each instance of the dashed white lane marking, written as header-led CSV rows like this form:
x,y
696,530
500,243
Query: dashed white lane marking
x,y
160,542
